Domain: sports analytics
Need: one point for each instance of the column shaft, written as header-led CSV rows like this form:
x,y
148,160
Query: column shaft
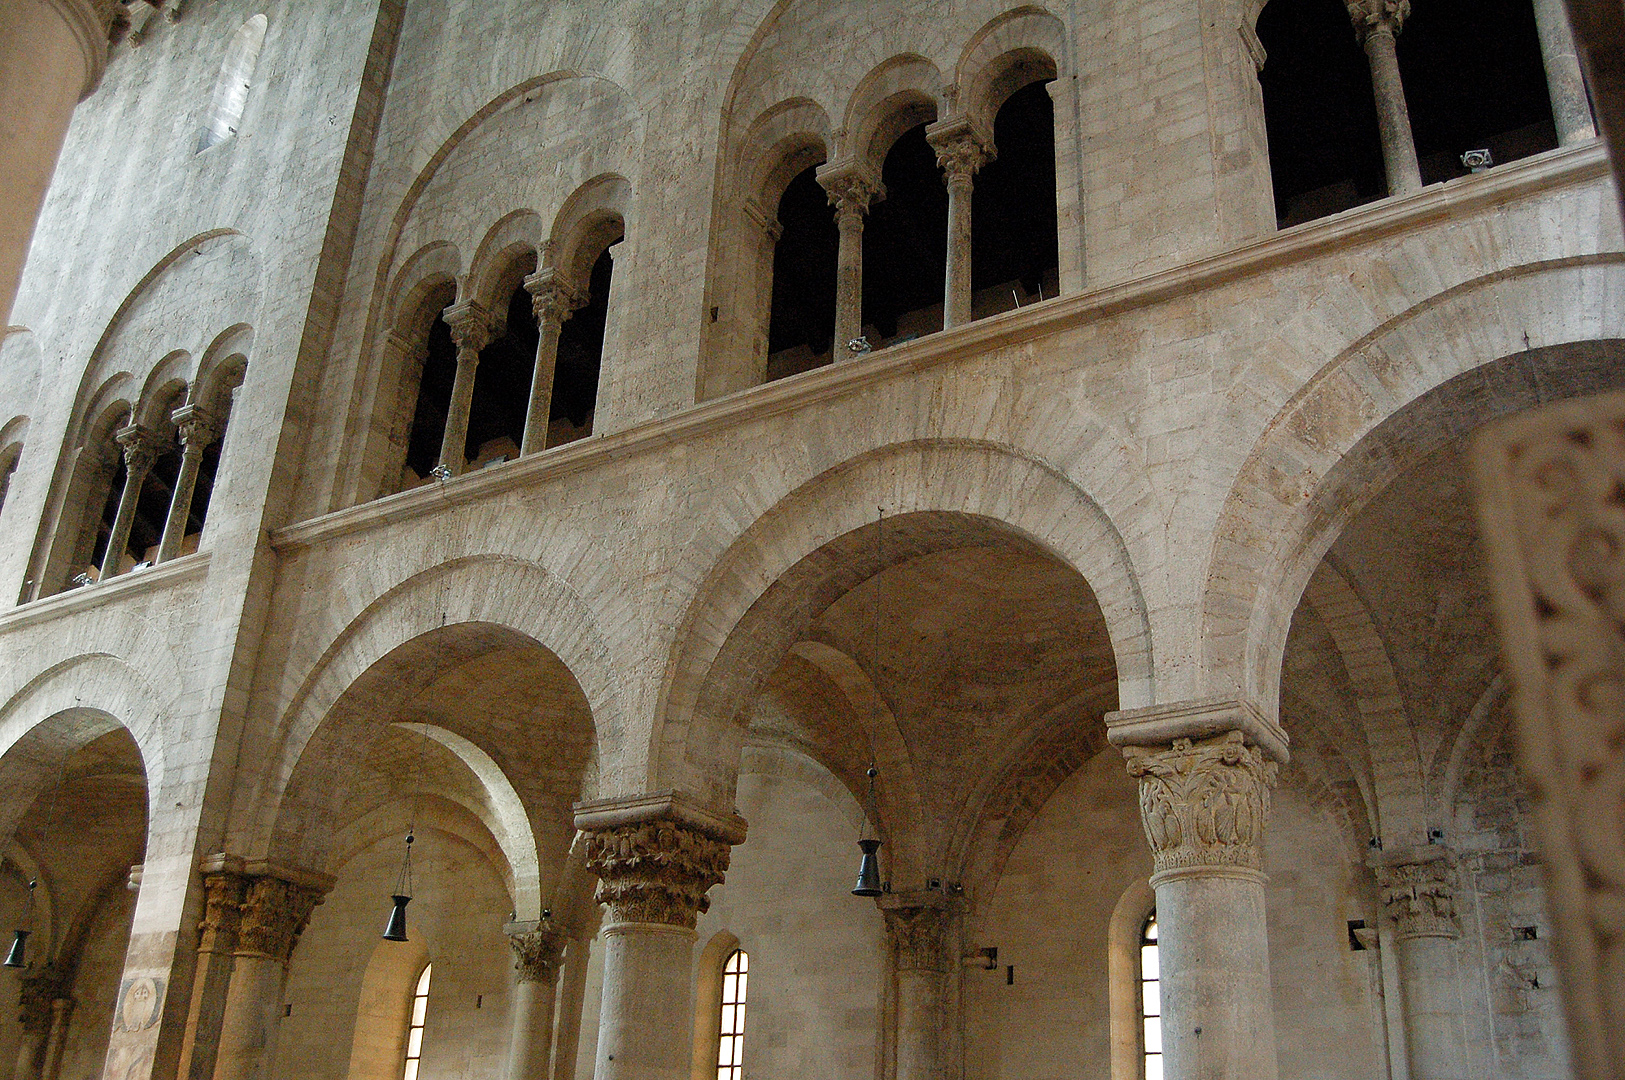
x,y
471,329
1418,889
961,152
552,302
536,958
140,451
570,998
645,1022
198,430
1204,798
917,934
1571,107
52,53
57,1041
223,888
1393,118
851,190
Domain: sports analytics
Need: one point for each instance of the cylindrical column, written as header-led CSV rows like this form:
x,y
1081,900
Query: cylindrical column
x,y
1571,108
917,936
552,301
571,996
1418,889
274,913
851,190
140,448
57,1041
198,429
536,950
470,331
36,1010
52,53
1205,773
1377,23
653,872
224,886
961,152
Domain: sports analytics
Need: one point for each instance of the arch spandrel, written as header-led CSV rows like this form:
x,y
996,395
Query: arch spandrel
x,y
959,491
1387,400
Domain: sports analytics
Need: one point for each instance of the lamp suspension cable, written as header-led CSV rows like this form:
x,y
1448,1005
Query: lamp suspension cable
x,y
869,883
395,928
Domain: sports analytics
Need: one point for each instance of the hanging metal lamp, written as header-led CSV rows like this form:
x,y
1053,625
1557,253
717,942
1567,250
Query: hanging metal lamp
x,y
395,929
17,957
869,866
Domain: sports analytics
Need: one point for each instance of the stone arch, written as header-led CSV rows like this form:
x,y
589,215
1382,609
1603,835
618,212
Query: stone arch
x,y
486,600
1023,45
959,490
222,368
1396,393
899,93
496,268
166,384
591,219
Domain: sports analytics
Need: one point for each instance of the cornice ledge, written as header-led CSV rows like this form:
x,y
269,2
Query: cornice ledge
x,y
128,584
1563,167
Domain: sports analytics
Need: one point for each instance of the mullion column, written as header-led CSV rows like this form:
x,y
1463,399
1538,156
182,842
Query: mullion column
x,y
1571,107
917,933
1205,770
140,448
553,302
655,857
961,153
537,949
1377,23
198,429
852,188
471,329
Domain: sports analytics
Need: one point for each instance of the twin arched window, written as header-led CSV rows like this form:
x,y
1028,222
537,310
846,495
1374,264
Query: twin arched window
x,y
414,1025
731,1024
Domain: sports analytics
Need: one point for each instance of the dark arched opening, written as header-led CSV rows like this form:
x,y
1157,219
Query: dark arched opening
x,y
905,245
434,396
1013,221
581,354
496,416
801,322
1319,111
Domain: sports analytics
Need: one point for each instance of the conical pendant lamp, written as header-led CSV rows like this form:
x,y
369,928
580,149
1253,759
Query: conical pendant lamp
x,y
17,957
395,929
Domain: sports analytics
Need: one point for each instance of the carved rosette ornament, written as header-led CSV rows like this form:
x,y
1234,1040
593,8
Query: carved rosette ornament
x,y
918,936
1420,897
656,871
1203,802
274,914
1552,514
536,953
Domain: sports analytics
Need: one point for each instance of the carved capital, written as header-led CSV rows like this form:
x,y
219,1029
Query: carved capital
x,y
656,871
274,914
140,447
536,951
223,893
1204,802
852,189
961,149
552,299
918,936
1376,16
1419,893
472,326
197,426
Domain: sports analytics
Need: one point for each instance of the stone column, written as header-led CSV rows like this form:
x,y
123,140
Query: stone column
x,y
852,188
276,906
224,887
571,996
52,53
1571,107
198,428
57,1041
536,949
140,446
916,930
552,301
1205,771
1418,890
961,153
655,857
471,328
1376,24
35,996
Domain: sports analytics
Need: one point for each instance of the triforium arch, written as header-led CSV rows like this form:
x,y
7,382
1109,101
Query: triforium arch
x,y
425,285
1383,402
773,578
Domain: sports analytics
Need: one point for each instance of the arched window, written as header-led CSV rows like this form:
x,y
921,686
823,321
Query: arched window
x,y
231,88
731,1027
9,457
414,1031
1150,999
801,322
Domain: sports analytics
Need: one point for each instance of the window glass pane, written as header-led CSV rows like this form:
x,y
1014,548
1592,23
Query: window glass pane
x,y
739,1020
411,1072
420,1006
728,1019
725,1052
414,1043
1151,929
1148,962
741,994
1151,999
1153,1067
1153,1035
730,988
423,980
744,960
